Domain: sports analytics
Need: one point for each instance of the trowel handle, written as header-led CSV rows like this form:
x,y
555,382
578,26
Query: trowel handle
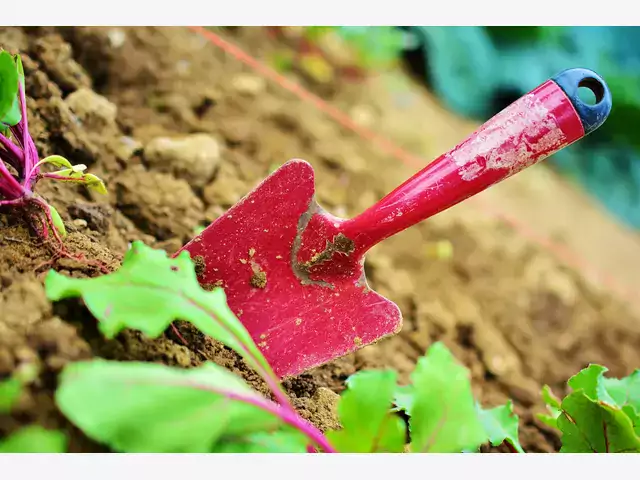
x,y
537,125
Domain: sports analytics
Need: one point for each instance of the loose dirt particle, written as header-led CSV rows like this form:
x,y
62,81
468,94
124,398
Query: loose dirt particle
x,y
199,265
211,286
340,244
357,341
259,279
298,321
252,252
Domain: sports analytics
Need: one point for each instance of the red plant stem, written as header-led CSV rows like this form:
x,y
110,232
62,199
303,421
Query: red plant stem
x,y
31,157
60,178
511,448
13,202
27,143
270,379
278,393
47,213
10,186
11,153
4,192
289,417
10,146
44,226
266,373
296,421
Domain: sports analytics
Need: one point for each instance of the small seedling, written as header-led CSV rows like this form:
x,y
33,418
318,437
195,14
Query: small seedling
x,y
372,48
19,161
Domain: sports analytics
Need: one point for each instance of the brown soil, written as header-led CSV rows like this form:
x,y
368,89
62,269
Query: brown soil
x,y
507,308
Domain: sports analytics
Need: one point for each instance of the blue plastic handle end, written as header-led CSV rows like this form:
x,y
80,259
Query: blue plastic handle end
x,y
592,116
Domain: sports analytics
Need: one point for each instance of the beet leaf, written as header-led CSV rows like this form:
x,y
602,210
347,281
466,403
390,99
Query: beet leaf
x,y
443,415
34,439
592,426
501,425
149,292
553,407
8,84
10,390
368,424
601,414
145,407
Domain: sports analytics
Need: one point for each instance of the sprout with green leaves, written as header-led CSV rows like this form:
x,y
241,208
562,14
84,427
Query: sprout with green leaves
x,y
19,161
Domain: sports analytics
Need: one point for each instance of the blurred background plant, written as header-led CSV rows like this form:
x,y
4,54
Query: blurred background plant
x,y
477,71
320,54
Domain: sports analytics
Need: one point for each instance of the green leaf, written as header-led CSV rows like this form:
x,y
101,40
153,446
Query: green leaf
x,y
263,442
10,390
550,399
19,68
591,426
511,35
57,160
589,381
8,83
364,410
624,391
553,406
618,392
444,418
93,182
149,292
57,221
621,393
403,399
13,116
144,407
34,439
315,33
501,425
76,174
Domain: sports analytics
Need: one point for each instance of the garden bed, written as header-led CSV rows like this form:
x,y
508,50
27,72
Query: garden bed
x,y
106,98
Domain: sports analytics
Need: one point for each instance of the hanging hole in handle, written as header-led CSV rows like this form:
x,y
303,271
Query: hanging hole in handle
x,y
590,91
593,109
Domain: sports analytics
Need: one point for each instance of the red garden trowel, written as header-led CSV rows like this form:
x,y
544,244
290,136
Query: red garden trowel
x,y
294,274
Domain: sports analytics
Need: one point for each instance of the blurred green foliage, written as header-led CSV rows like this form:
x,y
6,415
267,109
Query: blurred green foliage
x,y
374,47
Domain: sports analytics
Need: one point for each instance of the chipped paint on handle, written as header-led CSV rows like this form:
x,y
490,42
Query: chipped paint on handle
x,y
522,134
529,130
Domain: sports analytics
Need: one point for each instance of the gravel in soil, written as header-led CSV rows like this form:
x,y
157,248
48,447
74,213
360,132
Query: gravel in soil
x,y
180,131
